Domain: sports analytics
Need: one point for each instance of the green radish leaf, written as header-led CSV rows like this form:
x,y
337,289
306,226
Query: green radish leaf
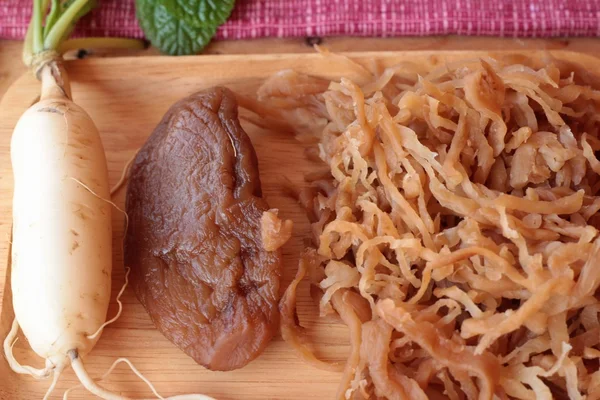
x,y
180,27
199,13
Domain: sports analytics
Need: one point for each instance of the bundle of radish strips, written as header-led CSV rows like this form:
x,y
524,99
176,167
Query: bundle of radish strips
x,y
62,233
455,220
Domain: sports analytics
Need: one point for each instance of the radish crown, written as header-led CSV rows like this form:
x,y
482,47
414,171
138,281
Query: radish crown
x,y
52,22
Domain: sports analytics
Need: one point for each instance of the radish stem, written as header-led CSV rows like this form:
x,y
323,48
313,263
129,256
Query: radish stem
x,y
52,17
38,44
28,44
28,40
57,33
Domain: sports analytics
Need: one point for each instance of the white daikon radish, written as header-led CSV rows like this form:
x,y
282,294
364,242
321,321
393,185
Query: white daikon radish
x,y
62,233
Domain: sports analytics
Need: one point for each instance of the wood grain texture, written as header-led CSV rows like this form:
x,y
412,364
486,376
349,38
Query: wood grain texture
x,y
11,66
126,97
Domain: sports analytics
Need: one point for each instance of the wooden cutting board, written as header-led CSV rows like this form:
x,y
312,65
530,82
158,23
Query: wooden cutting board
x,y
126,97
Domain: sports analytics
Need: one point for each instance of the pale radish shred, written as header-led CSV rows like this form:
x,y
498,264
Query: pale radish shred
x,y
490,166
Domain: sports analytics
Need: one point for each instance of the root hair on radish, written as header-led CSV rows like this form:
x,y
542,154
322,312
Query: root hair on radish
x,y
55,375
9,342
124,175
116,317
92,386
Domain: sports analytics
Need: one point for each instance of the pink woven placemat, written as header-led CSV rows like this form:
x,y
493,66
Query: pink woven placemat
x,y
285,18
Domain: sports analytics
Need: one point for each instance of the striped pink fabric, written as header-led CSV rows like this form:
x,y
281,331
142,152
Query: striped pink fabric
x,y
285,18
